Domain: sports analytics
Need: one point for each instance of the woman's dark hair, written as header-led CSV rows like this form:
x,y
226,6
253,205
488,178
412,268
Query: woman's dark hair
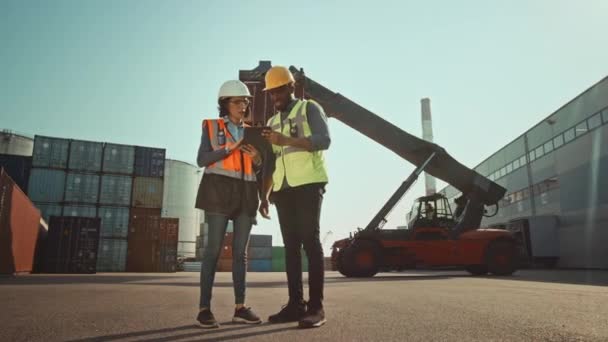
x,y
223,107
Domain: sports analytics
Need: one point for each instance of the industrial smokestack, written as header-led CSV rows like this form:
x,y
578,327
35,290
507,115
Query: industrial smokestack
x,y
427,134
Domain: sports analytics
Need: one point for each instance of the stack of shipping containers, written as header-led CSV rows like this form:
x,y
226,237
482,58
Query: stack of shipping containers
x,y
115,183
114,206
259,253
152,240
278,259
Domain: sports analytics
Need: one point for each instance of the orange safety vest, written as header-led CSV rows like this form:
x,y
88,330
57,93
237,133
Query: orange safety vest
x,y
237,164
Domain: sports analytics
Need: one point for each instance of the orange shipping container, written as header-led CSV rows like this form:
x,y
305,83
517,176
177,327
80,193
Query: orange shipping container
x,y
19,228
224,265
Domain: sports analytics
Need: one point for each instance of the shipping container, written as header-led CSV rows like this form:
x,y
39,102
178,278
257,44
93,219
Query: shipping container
x,y
226,252
81,188
46,185
259,252
259,265
18,168
39,255
260,240
224,265
149,162
50,152
147,192
114,221
118,159
85,155
144,224
72,245
19,228
115,190
142,255
112,255
49,209
79,210
169,235
167,259
278,259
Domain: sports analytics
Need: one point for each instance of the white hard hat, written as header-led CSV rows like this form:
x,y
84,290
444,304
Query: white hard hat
x,y
233,88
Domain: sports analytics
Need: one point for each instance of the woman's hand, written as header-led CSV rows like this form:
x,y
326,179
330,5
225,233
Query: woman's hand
x,y
235,146
253,153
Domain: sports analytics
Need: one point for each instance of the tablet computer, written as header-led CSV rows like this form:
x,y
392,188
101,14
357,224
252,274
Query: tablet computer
x,y
253,136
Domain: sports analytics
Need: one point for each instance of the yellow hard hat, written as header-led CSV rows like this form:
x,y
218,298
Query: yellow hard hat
x,y
278,76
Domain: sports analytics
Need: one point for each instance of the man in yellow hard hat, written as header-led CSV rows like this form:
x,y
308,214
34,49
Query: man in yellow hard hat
x,y
296,186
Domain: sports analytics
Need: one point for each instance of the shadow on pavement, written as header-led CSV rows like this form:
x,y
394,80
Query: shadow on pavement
x,y
575,277
194,332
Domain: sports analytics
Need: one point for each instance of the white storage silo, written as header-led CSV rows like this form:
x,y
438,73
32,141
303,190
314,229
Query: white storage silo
x,y
180,188
15,144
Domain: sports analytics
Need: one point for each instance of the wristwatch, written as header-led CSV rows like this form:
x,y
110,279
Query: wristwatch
x,y
227,149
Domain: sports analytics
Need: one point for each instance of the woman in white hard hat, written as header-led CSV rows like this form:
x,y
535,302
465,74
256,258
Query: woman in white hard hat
x,y
228,191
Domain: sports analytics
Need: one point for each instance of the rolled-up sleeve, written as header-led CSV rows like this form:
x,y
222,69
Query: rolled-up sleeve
x,y
206,154
317,120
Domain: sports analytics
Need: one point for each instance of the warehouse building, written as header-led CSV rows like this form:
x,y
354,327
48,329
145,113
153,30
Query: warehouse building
x,y
557,186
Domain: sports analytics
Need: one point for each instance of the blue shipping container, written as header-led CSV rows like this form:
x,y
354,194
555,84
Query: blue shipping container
x,y
256,240
114,221
81,188
50,152
259,252
46,185
79,210
49,209
112,255
118,158
259,265
85,155
115,190
149,162
18,168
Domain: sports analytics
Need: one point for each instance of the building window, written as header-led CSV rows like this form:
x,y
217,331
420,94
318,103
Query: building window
x,y
539,151
595,121
548,146
501,172
558,141
605,115
522,160
544,198
509,168
516,164
581,128
531,156
568,135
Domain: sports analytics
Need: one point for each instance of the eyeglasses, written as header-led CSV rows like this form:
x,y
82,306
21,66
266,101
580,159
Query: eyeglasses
x,y
241,102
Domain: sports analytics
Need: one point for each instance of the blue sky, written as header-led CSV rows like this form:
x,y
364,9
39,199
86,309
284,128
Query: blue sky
x,y
147,73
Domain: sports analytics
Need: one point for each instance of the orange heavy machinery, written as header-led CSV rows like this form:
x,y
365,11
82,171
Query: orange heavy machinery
x,y
436,237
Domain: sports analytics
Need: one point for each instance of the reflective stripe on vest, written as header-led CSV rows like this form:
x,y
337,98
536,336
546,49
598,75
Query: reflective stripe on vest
x,y
231,165
299,166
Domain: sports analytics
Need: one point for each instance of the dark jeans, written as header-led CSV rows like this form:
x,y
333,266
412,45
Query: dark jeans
x,y
217,230
299,212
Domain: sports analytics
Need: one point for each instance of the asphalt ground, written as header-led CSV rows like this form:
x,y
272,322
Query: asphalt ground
x,y
532,305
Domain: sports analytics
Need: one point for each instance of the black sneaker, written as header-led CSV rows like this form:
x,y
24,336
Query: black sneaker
x,y
245,315
206,320
314,318
291,312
